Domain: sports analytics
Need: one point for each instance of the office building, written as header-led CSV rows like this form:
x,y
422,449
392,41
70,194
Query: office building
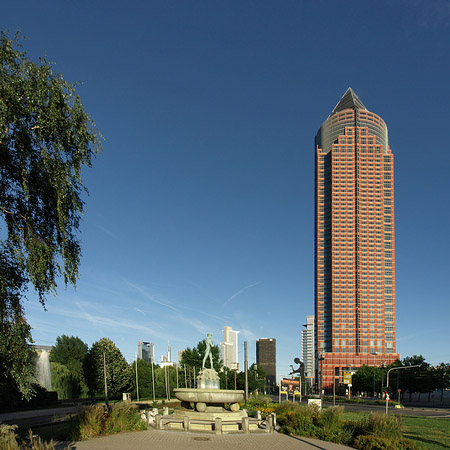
x,y
146,351
266,357
166,360
229,348
308,353
354,242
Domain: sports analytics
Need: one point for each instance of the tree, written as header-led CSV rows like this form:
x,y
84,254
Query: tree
x,y
71,352
118,372
362,379
62,381
194,357
145,379
46,137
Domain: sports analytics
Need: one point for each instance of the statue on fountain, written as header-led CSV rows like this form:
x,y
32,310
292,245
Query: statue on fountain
x,y
208,352
208,378
207,397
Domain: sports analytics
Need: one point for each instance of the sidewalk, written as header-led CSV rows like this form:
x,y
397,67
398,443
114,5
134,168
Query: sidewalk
x,y
178,440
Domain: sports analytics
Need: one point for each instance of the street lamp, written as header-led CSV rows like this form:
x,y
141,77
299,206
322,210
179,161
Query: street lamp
x,y
387,380
374,354
321,358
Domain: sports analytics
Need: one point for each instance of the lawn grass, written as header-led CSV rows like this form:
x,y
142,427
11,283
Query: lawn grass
x,y
430,433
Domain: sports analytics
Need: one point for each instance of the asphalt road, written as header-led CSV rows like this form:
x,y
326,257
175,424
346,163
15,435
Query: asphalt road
x,y
420,411
406,411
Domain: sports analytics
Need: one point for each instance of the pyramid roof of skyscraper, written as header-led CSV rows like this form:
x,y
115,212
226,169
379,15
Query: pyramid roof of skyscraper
x,y
348,100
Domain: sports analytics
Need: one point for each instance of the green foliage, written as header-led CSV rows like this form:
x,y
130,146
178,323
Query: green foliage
x,y
62,380
144,377
8,437
309,421
378,442
91,422
382,425
377,432
71,352
95,420
118,372
8,440
260,403
46,137
194,357
125,416
256,379
226,377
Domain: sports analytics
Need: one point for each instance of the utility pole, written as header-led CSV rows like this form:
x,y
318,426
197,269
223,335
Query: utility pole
x,y
246,371
153,379
106,385
137,381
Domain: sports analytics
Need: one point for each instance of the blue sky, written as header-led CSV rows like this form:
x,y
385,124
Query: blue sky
x,y
201,205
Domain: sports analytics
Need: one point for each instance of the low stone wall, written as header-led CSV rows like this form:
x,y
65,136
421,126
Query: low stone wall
x,y
216,425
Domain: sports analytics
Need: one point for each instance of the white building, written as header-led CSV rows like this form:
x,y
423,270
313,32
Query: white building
x,y
308,349
166,360
229,348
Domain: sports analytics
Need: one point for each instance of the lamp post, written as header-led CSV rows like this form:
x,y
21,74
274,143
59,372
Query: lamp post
x,y
374,354
321,358
387,381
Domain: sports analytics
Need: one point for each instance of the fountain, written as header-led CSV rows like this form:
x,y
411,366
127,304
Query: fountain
x,y
208,401
43,373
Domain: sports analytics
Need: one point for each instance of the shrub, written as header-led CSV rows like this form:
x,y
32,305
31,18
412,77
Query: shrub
x,y
8,440
260,403
373,442
309,421
95,420
91,422
125,417
386,426
8,437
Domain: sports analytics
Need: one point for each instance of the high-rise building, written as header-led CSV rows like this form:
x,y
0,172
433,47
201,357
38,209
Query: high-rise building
x,y
229,348
266,357
166,360
354,242
146,351
308,353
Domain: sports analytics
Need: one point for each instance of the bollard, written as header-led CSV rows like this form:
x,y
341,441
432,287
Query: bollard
x,y
245,427
158,422
166,411
274,420
269,424
186,424
218,425
258,415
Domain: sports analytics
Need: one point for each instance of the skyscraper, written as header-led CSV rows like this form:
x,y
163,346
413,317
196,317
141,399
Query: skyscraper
x,y
308,353
354,242
229,348
266,357
146,351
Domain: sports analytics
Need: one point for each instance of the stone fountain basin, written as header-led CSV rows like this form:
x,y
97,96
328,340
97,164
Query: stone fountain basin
x,y
208,395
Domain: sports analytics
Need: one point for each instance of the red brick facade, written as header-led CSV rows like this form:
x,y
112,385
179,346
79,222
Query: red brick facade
x,y
355,244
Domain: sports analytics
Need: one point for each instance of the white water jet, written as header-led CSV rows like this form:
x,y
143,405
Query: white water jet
x,y
43,373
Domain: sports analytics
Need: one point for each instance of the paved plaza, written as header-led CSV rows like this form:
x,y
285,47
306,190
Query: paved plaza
x,y
177,440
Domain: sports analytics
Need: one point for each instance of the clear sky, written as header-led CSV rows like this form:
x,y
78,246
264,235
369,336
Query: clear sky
x,y
201,205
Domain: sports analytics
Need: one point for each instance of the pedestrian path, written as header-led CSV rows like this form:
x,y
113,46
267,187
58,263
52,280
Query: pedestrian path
x,y
177,440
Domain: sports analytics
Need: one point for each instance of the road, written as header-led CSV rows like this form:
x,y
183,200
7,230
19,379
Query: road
x,y
409,411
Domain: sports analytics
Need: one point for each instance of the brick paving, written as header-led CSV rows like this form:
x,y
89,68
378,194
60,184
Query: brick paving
x,y
178,440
